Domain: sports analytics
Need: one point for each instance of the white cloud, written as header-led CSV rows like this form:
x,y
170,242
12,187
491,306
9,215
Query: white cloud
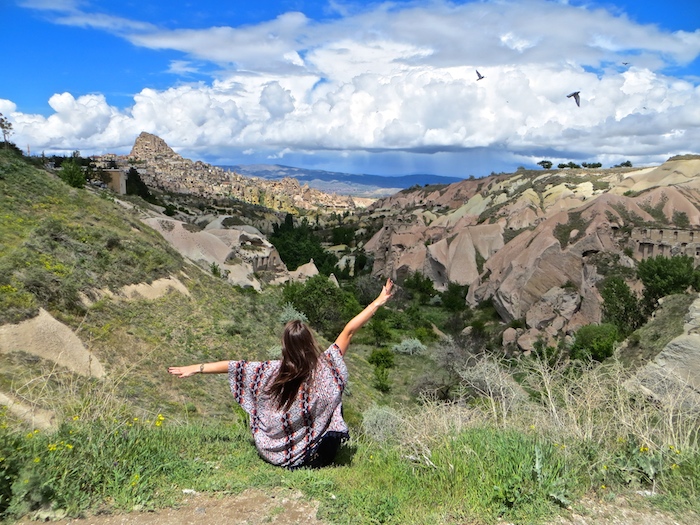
x,y
401,79
182,67
277,100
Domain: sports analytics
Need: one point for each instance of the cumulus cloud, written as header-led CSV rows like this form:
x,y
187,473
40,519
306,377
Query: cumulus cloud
x,y
400,79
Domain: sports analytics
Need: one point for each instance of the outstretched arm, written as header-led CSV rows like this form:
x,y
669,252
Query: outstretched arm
x,y
357,322
220,367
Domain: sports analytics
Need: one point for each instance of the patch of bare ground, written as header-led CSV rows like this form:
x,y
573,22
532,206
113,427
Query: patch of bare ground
x,y
290,507
621,511
251,507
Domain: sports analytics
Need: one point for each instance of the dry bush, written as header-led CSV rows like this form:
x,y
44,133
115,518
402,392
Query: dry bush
x,y
588,405
495,386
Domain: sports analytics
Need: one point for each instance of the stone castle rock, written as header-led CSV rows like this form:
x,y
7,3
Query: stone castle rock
x,y
161,167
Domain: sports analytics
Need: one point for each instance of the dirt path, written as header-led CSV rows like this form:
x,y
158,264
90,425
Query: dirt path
x,y
252,507
289,507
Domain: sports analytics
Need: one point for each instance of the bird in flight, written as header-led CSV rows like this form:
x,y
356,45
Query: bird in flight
x,y
625,63
479,76
576,97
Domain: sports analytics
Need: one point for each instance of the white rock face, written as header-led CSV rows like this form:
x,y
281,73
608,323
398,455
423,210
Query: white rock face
x,y
239,252
673,377
48,338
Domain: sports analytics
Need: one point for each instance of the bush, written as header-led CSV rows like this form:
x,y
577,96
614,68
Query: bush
x,y
381,358
410,346
289,313
595,342
381,423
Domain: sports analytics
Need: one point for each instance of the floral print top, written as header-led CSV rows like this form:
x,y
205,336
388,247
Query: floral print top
x,y
290,438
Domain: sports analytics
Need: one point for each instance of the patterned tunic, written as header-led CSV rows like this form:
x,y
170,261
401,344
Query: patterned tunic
x,y
290,438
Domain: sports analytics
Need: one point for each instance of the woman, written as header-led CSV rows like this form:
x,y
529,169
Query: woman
x,y
295,403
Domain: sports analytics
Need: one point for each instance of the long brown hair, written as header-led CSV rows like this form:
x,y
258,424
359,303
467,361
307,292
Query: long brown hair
x,y
300,353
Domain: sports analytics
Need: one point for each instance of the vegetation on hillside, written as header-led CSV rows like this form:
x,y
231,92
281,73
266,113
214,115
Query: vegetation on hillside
x,y
446,426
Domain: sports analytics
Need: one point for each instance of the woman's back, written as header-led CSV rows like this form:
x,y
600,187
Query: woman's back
x,y
289,437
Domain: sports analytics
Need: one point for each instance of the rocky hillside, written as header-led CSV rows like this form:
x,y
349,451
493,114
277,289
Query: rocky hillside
x,y
535,242
160,167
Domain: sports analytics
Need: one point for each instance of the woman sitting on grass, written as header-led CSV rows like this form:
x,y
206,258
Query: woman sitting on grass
x,y
295,403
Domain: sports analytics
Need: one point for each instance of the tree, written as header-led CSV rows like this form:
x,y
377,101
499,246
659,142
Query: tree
x,y
104,176
546,164
136,186
326,306
297,245
380,331
454,299
680,219
72,174
663,276
421,285
621,306
6,128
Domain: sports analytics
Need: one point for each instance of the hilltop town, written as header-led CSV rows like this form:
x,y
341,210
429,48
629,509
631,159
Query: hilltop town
x,y
163,169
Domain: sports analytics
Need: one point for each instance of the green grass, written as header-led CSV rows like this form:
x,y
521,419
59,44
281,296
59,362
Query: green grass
x,y
60,242
442,464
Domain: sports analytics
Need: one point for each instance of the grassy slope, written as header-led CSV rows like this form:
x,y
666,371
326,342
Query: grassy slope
x,y
59,242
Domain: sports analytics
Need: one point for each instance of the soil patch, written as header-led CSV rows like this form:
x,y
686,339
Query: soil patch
x,y
252,507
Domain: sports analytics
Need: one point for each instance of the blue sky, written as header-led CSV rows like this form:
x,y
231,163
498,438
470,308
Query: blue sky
x,y
382,88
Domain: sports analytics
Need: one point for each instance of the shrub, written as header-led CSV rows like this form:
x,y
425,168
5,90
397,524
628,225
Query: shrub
x,y
289,313
595,342
381,358
409,346
381,423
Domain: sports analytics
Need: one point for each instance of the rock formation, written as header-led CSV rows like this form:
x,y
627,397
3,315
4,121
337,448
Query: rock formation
x,y
530,242
161,167
673,376
240,253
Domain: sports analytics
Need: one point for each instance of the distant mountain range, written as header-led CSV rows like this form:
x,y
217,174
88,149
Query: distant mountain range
x,y
341,183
